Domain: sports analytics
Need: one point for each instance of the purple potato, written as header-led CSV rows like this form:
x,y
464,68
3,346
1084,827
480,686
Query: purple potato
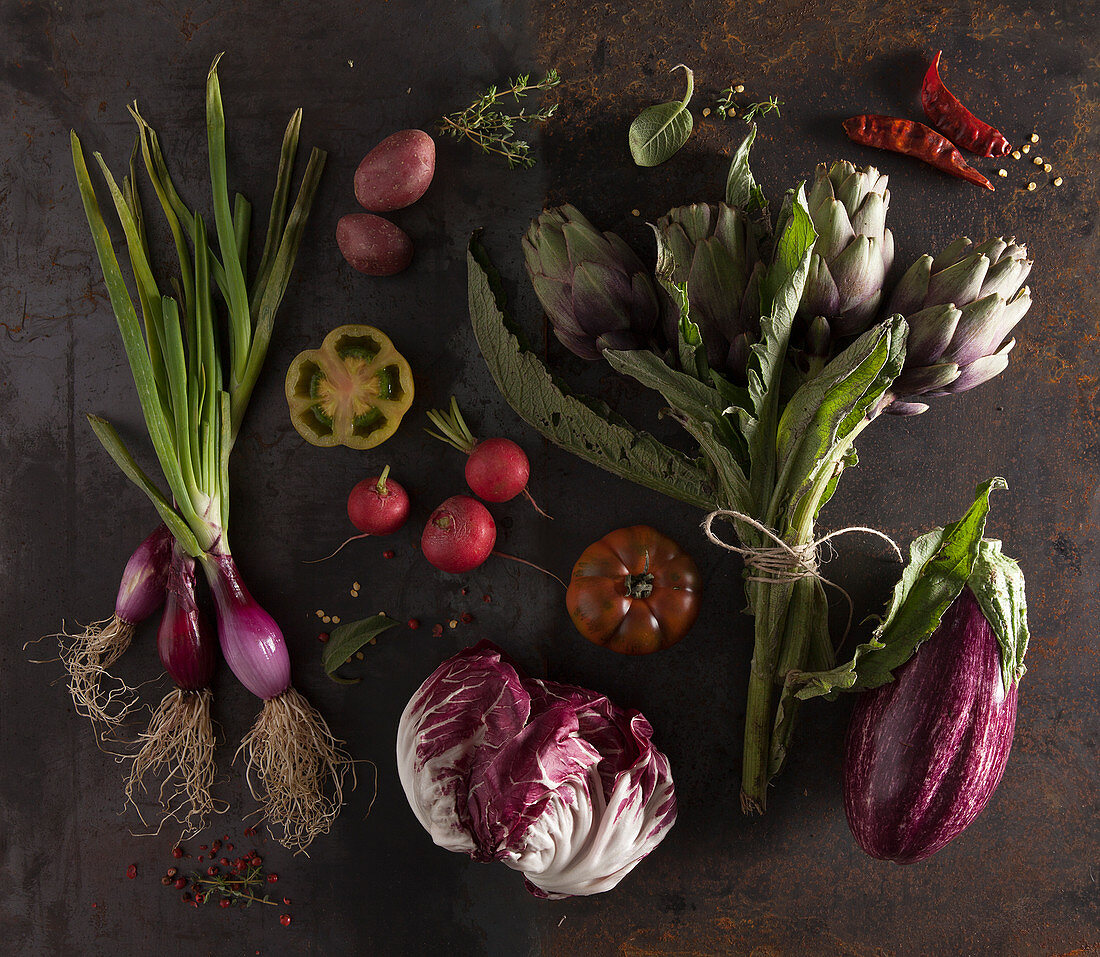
x,y
373,245
397,172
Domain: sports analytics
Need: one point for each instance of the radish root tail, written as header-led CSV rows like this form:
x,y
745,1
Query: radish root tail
x,y
317,561
178,747
86,655
295,768
536,505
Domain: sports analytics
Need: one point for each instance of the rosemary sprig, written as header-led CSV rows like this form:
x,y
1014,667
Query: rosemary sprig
x,y
492,130
236,886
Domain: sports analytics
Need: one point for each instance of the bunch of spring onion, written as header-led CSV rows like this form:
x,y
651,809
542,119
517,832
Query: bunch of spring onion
x,y
194,380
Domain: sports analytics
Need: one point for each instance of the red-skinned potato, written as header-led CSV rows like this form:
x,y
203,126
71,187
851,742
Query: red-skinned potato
x,y
373,245
397,172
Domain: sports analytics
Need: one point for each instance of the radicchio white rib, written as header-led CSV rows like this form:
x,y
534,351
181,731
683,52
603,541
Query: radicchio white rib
x,y
553,780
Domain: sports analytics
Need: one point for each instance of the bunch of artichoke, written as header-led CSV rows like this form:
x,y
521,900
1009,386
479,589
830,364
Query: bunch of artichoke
x,y
960,305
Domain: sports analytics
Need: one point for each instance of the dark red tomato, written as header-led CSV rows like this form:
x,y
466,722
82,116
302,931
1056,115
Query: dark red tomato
x,y
634,591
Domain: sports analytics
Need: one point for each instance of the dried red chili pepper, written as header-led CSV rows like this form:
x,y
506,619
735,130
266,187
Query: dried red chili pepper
x,y
912,139
954,120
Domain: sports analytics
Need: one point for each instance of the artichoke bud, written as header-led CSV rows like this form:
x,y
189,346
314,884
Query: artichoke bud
x,y
592,285
818,337
711,251
854,250
961,307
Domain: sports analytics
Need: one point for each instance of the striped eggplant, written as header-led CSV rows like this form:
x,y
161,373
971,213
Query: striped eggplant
x,y
925,752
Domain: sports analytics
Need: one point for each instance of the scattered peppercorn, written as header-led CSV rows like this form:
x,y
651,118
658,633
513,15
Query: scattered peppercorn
x,y
185,897
212,870
414,623
166,880
180,883
285,920
437,631
199,898
389,553
131,871
465,591
225,902
466,618
487,599
323,637
172,871
177,852
272,878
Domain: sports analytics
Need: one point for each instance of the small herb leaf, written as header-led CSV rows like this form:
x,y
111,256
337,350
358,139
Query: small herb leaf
x,y
659,131
346,640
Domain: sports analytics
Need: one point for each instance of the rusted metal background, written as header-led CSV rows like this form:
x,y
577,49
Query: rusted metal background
x,y
1022,881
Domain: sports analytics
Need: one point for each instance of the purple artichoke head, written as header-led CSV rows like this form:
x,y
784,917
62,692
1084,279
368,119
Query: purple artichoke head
x,y
961,307
854,249
714,253
594,288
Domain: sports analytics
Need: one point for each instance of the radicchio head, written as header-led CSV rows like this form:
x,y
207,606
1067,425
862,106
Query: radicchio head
x,y
553,780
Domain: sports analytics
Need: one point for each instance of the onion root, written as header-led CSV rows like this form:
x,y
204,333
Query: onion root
x,y
86,655
295,768
178,746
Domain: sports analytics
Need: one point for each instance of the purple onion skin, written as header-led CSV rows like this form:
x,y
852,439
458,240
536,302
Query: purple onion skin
x,y
141,591
185,642
925,753
252,643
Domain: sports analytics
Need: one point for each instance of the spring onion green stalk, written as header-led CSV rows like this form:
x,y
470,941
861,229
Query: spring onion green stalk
x,y
195,372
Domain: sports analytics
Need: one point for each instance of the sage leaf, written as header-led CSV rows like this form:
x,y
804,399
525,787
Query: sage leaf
x,y
583,426
346,640
659,131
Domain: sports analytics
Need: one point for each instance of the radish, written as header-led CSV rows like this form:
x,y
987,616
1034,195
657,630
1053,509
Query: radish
x,y
459,536
376,506
497,469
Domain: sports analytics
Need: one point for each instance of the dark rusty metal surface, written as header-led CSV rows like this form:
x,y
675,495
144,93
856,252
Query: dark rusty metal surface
x,y
1022,881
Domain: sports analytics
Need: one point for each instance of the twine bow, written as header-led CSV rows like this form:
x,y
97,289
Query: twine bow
x,y
784,562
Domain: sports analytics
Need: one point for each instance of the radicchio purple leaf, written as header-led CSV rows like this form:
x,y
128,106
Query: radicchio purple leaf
x,y
553,780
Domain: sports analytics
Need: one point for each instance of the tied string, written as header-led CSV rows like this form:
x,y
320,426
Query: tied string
x,y
784,562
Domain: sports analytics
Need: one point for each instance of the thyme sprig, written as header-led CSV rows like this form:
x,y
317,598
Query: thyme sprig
x,y
492,130
726,107
770,105
236,886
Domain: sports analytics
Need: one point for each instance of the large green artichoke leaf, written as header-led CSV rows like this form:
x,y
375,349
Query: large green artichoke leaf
x,y
583,426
